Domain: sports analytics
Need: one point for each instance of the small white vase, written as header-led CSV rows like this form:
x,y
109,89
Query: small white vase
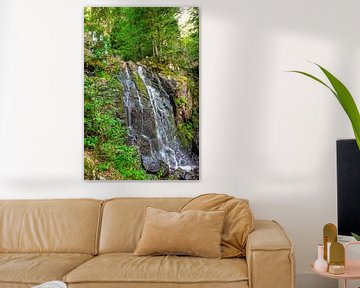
x,y
320,264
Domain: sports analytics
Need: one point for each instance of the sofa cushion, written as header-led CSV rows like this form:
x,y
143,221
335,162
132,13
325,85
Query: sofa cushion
x,y
123,220
36,268
239,220
126,268
193,232
63,226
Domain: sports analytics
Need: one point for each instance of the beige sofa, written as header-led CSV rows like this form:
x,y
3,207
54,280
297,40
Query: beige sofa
x,y
89,243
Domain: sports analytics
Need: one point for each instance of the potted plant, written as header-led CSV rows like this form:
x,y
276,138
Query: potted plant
x,y
345,99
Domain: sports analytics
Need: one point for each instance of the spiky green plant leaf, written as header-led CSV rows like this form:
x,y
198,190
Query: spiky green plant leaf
x,y
344,97
356,236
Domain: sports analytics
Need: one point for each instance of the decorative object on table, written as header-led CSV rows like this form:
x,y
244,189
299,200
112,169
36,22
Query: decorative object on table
x,y
337,258
141,93
329,237
344,273
336,269
51,284
320,264
344,97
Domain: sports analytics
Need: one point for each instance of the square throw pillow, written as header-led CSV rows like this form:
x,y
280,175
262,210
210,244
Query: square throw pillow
x,y
193,232
238,223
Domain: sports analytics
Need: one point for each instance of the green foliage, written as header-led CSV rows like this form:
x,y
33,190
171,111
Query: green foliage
x,y
344,97
188,127
129,165
181,101
356,236
138,33
191,41
104,134
146,32
90,142
186,133
103,166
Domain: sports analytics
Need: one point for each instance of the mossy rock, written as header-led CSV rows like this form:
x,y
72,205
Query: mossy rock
x,y
139,84
89,166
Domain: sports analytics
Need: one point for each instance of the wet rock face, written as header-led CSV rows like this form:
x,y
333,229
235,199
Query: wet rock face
x,y
150,116
181,174
178,91
150,164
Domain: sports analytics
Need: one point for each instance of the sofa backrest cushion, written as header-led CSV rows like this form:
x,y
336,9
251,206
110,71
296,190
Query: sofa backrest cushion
x,y
238,224
66,226
123,220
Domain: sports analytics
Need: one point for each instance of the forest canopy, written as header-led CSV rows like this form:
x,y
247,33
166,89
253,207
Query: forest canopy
x,y
170,34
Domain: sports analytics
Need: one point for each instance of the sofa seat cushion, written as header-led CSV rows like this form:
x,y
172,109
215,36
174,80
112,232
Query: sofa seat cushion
x,y
36,268
125,267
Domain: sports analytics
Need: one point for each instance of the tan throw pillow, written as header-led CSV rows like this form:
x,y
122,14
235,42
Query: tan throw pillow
x,y
239,220
196,233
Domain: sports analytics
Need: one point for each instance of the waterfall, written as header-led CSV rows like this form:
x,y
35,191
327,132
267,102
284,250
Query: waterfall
x,y
129,92
151,121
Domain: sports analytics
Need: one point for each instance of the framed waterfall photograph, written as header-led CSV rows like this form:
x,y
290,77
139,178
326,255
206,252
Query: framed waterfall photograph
x,y
141,93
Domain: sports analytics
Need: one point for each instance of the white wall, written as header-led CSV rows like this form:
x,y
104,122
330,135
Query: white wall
x,y
266,135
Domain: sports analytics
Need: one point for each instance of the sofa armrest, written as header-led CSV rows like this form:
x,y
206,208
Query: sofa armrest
x,y
269,256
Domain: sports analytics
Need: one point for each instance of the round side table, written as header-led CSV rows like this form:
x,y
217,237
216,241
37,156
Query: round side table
x,y
352,269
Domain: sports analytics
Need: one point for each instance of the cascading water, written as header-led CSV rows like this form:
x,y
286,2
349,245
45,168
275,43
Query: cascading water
x,y
151,122
129,91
